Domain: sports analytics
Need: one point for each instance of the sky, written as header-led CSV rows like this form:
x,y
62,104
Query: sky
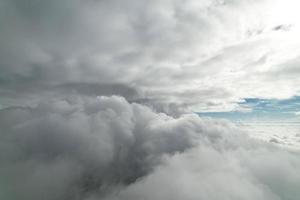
x,y
161,99
270,110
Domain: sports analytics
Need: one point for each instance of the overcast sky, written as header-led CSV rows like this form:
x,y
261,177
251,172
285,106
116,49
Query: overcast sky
x,y
203,56
97,98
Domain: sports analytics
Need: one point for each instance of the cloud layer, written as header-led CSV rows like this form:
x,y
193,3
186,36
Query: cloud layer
x,y
107,148
204,56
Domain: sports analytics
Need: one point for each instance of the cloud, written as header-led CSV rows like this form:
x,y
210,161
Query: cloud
x,y
107,148
204,56
95,96
206,173
89,145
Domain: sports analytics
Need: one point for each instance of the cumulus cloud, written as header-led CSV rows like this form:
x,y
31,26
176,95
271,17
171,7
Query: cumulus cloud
x,y
95,96
68,148
206,173
107,148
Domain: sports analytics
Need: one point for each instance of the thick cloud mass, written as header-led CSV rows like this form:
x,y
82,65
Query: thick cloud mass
x,y
202,55
64,149
107,148
94,96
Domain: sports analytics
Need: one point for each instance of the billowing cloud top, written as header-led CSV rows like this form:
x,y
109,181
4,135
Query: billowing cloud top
x,y
106,148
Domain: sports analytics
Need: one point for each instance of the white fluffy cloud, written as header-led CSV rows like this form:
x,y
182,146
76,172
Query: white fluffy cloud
x,y
107,148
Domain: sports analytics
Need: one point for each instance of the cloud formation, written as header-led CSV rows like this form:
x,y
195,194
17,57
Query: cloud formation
x,y
94,97
200,56
107,148
69,148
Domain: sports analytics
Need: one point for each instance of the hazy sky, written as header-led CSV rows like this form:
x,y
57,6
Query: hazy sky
x,y
99,99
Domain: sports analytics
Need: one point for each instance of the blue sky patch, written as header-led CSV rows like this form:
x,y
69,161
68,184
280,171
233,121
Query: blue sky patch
x,y
263,109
